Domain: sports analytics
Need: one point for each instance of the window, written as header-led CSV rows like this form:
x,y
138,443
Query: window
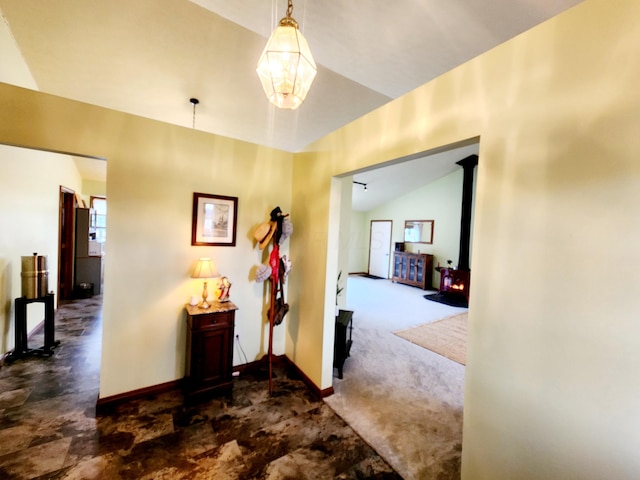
x,y
99,218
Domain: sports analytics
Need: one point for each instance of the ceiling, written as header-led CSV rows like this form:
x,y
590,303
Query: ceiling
x,y
405,175
149,57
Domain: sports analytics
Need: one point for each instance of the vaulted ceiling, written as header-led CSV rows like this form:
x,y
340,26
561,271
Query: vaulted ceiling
x,y
149,57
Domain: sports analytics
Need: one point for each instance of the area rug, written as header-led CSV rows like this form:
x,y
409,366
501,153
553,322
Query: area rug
x,y
446,337
366,275
452,300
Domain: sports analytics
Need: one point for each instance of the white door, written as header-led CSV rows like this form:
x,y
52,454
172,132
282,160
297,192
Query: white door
x,y
380,248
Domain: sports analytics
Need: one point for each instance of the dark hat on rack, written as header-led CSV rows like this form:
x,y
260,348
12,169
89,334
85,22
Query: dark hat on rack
x,y
276,213
278,217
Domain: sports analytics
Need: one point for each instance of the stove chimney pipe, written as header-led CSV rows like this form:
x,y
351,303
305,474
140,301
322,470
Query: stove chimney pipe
x,y
468,164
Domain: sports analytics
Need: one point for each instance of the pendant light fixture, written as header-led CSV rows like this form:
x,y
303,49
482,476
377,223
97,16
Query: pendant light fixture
x,y
286,67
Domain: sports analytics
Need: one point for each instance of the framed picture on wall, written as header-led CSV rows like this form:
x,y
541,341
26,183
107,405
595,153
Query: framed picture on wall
x,y
214,222
418,231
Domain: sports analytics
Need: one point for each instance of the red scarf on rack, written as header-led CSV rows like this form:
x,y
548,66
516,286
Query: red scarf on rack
x,y
274,262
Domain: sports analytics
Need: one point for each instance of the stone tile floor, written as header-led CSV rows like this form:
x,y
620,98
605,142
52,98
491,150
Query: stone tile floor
x,y
49,428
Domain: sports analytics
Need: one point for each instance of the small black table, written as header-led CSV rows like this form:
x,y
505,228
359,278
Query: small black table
x,y
342,341
21,348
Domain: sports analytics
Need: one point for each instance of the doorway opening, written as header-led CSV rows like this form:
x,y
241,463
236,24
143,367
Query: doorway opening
x,y
400,373
42,189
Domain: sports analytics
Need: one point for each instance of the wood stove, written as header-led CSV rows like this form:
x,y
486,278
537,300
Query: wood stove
x,y
457,281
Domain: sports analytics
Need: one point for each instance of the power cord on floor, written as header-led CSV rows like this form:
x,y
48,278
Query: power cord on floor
x,y
241,349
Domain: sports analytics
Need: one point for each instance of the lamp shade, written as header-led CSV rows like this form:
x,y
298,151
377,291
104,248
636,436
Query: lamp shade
x,y
205,269
286,67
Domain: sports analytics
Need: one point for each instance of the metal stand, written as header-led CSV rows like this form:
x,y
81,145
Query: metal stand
x,y
271,318
275,289
21,348
276,310
272,315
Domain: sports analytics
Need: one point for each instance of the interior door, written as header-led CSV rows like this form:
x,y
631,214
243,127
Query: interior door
x,y
380,248
66,249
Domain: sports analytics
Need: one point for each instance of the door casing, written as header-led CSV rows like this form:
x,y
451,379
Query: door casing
x,y
66,243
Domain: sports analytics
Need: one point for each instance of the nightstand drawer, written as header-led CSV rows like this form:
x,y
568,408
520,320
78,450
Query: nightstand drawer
x,y
211,320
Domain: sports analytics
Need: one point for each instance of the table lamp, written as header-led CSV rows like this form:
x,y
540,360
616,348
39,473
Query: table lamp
x,y
205,269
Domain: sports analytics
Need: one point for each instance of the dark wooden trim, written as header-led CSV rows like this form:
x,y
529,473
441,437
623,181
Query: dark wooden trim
x,y
327,392
288,363
66,243
285,361
310,385
99,197
249,366
107,404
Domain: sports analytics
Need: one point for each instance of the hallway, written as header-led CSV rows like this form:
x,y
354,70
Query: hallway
x,y
49,428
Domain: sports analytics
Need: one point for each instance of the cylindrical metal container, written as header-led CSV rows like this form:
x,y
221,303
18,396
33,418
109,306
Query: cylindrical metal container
x,y
35,276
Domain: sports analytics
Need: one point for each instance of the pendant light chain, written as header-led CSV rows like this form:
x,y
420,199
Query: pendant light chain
x,y
195,102
290,8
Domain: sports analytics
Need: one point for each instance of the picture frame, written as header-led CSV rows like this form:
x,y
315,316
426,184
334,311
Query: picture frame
x,y
214,220
418,231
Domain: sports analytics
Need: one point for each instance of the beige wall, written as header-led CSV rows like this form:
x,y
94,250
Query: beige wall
x,y
358,242
153,170
149,256
29,197
13,68
551,382
93,188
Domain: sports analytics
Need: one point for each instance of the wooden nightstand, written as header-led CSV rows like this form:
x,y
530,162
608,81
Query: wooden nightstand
x,y
209,365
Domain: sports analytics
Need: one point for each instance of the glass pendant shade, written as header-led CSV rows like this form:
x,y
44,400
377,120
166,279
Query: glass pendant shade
x,y
286,67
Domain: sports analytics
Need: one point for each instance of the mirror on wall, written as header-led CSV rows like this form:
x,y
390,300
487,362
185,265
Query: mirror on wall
x,y
418,231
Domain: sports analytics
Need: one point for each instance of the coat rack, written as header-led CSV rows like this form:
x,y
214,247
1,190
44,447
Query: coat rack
x,y
275,232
